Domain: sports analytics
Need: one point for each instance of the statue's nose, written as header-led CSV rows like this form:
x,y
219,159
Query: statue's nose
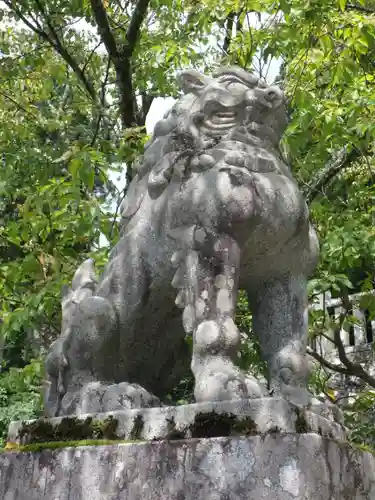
x,y
271,97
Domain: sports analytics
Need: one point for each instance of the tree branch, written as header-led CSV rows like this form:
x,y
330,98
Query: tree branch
x,y
147,101
135,24
349,367
332,168
354,368
102,100
18,105
327,337
360,8
35,29
124,68
91,55
102,22
55,43
59,47
121,55
327,364
229,30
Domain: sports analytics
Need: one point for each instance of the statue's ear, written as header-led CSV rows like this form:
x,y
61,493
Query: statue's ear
x,y
85,275
192,81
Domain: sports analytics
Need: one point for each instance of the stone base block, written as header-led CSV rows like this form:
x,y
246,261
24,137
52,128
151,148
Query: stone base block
x,y
214,419
272,467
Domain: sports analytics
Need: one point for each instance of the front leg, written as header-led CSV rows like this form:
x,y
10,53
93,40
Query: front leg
x,y
280,315
207,276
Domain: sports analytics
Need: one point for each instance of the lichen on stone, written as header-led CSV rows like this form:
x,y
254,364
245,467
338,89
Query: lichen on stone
x,y
68,429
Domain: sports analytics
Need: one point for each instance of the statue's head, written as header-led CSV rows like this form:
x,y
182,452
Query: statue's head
x,y
231,105
232,99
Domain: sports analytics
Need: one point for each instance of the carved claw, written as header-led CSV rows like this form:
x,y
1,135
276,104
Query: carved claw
x,y
177,257
188,319
181,299
205,241
179,278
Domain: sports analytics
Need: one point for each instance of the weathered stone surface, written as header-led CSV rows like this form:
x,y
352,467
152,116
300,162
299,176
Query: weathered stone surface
x,y
254,416
212,208
274,467
96,397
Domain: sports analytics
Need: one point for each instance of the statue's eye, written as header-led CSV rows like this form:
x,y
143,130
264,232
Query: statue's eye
x,y
230,82
235,86
229,79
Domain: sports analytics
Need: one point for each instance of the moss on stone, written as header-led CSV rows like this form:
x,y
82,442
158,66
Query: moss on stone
x,y
137,429
53,445
361,447
213,424
274,430
245,427
68,429
172,432
301,423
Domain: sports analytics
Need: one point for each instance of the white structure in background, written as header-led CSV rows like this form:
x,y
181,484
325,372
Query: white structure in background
x,y
359,335
358,342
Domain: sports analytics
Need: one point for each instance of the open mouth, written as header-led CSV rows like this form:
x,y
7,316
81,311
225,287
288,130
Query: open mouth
x,y
225,115
221,120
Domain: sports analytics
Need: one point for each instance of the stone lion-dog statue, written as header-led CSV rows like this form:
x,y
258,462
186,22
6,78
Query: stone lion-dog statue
x,y
212,208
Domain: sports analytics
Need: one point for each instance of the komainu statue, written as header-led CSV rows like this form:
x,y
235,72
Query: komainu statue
x,y
212,208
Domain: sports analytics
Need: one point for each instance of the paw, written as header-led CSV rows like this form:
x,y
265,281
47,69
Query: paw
x,y
219,380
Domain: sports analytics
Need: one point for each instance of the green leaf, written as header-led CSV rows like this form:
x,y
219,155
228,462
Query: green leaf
x,y
74,167
285,6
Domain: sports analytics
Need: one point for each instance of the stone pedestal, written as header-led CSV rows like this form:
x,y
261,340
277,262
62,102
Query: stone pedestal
x,y
199,420
271,467
253,449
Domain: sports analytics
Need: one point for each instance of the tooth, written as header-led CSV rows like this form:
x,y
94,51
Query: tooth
x,y
181,299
